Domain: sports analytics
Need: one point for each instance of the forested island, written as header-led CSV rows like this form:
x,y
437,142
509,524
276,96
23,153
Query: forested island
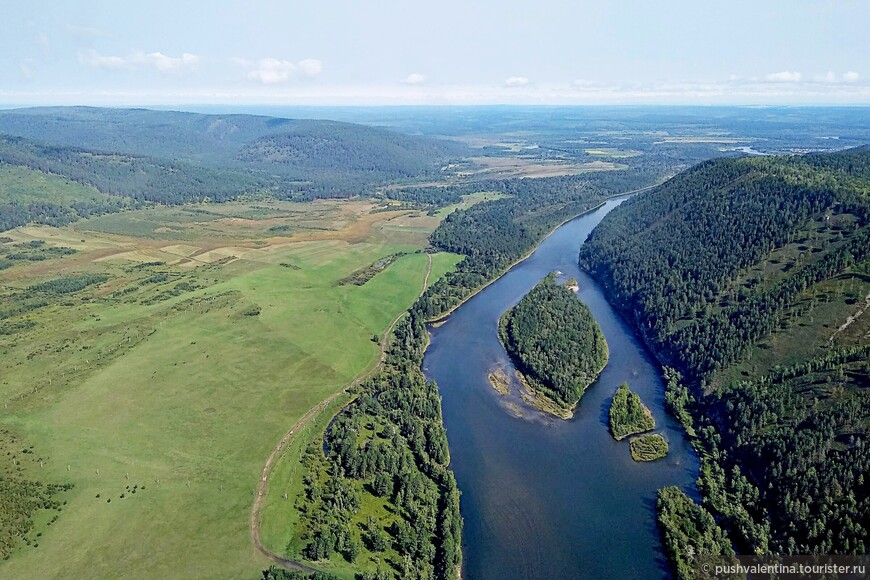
x,y
648,447
556,345
628,415
749,278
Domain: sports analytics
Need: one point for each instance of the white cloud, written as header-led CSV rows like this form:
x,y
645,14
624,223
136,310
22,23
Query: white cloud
x,y
851,77
168,64
270,71
92,59
516,81
310,67
415,79
155,60
830,78
784,77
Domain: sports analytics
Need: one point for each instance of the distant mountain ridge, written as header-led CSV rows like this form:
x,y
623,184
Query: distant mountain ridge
x,y
323,152
172,157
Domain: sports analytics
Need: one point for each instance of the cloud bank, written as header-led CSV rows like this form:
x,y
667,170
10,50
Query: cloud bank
x,y
516,81
271,71
139,60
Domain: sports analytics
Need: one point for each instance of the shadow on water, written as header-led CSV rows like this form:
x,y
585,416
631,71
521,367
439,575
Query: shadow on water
x,y
544,498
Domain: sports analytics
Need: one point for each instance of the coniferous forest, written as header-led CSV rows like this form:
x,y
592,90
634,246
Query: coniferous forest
x,y
748,278
555,342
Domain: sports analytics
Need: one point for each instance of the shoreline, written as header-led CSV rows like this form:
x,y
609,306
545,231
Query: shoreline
x,y
444,315
441,318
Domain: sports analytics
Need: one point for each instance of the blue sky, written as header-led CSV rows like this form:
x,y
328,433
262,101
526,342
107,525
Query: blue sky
x,y
336,52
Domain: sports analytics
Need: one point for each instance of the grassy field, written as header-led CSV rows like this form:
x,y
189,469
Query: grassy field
x,y
613,153
160,392
470,200
27,186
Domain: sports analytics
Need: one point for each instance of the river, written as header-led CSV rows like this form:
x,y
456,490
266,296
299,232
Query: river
x,y
541,497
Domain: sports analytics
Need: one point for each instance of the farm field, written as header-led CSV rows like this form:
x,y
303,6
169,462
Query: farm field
x,y
170,352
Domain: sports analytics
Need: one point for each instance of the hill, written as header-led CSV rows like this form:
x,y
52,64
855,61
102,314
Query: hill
x,y
311,150
751,277
135,176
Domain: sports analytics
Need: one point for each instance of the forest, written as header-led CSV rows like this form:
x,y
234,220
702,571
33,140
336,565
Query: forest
x,y
688,530
494,235
628,415
555,342
389,443
716,267
679,248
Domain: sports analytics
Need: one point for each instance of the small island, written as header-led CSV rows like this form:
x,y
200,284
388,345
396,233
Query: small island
x,y
500,381
648,447
556,345
628,414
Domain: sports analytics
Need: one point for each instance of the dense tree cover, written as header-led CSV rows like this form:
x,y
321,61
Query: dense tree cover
x,y
495,234
648,447
667,256
392,439
688,531
546,190
801,432
133,176
628,415
223,156
68,284
276,573
20,500
697,266
323,148
555,342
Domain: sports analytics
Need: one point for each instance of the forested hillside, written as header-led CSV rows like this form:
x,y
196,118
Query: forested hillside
x,y
750,277
134,176
555,342
672,258
299,157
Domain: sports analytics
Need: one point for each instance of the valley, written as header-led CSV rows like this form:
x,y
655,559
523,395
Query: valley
x,y
187,297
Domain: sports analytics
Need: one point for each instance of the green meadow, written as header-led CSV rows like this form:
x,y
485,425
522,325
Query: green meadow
x,y
159,393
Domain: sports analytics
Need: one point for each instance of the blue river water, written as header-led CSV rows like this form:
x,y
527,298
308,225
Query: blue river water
x,y
542,497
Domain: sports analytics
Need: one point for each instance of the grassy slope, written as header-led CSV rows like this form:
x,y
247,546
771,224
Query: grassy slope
x,y
197,406
22,185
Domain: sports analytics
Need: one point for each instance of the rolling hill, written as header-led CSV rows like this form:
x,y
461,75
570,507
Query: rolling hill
x,y
300,149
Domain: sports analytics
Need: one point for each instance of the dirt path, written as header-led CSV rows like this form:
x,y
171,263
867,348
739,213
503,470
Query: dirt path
x,y
851,319
263,484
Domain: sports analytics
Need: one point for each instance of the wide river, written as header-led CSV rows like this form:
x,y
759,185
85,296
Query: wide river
x,y
541,497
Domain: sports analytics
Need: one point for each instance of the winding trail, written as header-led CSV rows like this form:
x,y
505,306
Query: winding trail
x,y
263,484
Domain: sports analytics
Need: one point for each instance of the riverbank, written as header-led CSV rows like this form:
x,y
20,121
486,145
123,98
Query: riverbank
x,y
519,476
439,319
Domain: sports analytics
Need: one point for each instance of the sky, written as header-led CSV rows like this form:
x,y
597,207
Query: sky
x,y
456,52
